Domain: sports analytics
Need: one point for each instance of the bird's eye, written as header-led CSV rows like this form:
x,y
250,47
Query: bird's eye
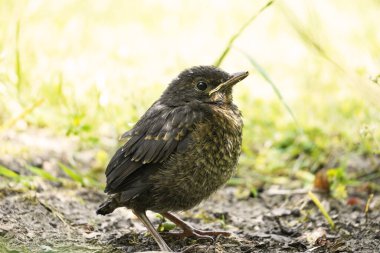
x,y
201,85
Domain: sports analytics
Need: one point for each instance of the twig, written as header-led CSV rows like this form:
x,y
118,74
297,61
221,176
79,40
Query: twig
x,y
274,192
314,249
369,200
54,212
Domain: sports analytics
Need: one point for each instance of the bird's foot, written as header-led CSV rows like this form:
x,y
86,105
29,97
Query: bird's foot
x,y
189,231
199,234
212,233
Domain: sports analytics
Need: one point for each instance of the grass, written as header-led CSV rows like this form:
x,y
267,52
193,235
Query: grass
x,y
235,36
92,72
316,201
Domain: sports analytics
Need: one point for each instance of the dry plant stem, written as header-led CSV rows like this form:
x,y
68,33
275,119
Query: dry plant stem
x,y
370,197
274,192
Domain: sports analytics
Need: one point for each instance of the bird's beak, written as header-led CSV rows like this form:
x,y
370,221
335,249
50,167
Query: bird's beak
x,y
234,79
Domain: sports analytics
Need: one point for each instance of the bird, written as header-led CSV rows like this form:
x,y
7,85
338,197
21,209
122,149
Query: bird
x,y
183,148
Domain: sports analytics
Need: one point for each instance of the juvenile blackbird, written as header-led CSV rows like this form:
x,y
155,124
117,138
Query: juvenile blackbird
x,y
181,150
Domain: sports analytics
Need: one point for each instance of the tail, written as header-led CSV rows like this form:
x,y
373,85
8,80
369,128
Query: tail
x,y
107,207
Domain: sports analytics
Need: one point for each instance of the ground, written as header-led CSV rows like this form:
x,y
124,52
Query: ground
x,y
61,220
45,216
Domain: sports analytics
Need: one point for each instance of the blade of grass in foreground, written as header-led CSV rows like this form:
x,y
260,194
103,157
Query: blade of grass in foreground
x,y
71,173
42,173
22,115
239,32
8,173
321,208
83,180
264,74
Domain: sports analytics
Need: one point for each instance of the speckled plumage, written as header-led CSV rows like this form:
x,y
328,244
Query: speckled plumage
x,y
182,149
188,177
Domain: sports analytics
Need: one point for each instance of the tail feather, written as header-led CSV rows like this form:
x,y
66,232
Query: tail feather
x,y
107,207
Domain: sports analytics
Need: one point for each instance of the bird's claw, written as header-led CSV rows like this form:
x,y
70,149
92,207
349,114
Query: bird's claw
x,y
199,234
212,233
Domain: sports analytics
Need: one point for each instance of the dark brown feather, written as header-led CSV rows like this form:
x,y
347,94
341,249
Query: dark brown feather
x,y
150,143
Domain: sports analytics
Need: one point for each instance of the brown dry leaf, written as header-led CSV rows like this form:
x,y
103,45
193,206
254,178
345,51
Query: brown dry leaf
x,y
321,181
355,201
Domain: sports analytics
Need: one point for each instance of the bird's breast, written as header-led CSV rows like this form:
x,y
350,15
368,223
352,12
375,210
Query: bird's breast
x,y
219,139
208,161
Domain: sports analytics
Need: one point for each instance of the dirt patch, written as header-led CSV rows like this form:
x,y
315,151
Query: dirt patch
x,y
61,220
54,217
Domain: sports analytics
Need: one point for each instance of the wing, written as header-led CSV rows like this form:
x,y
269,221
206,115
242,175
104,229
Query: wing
x,y
161,132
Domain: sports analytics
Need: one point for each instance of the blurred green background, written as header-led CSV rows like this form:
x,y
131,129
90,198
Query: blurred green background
x,y
87,70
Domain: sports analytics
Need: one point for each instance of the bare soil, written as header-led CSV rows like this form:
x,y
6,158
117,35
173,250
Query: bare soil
x,y
61,220
55,218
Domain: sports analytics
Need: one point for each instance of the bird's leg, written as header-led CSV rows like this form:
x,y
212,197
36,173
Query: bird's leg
x,y
144,219
189,231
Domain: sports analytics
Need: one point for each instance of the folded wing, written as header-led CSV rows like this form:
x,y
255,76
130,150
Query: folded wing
x,y
161,132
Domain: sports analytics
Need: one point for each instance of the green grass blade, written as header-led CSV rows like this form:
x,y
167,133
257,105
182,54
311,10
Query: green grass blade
x,y
321,208
307,36
238,33
29,110
267,78
72,174
90,182
8,173
42,173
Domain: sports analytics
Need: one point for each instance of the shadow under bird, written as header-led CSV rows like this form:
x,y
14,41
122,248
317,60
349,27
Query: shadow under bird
x,y
183,149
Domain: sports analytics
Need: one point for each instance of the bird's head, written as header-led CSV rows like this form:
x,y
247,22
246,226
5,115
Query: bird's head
x,y
207,84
